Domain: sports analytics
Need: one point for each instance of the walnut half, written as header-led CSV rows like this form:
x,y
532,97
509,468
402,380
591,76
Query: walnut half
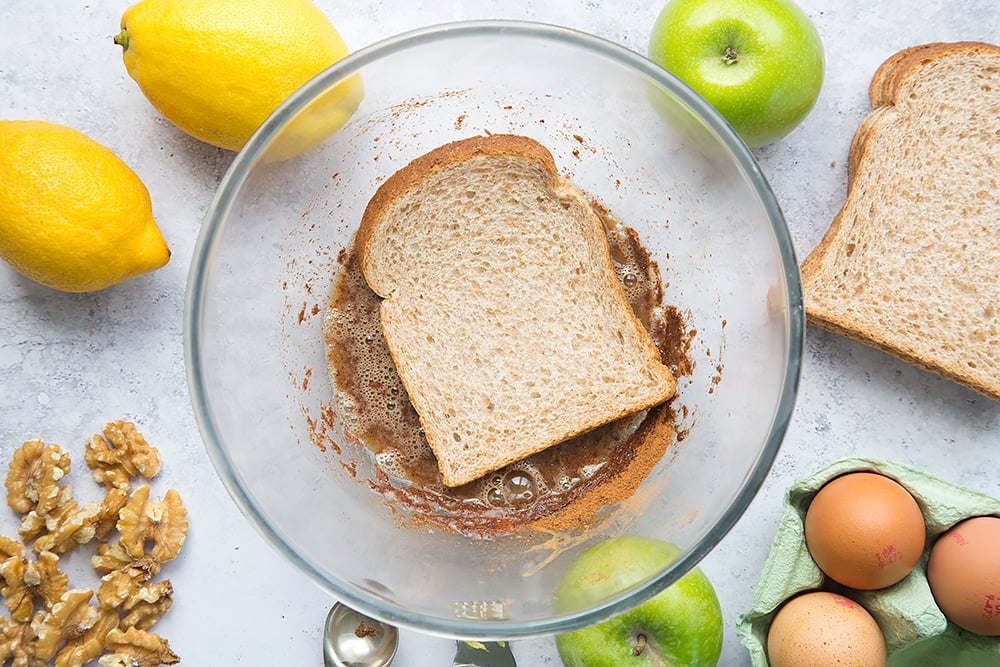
x,y
73,631
33,477
121,454
137,648
160,522
26,582
143,603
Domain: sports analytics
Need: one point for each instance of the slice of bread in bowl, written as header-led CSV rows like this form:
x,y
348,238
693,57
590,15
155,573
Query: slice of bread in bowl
x,y
501,308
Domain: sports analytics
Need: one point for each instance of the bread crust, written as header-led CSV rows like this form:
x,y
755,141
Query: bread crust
x,y
436,160
887,91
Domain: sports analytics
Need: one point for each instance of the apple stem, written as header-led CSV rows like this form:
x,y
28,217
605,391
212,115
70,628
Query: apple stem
x,y
729,56
640,645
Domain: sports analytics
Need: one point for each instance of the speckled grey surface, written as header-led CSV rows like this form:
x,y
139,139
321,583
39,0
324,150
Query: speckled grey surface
x,y
68,363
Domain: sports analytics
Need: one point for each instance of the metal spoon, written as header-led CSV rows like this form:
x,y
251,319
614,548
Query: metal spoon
x,y
351,639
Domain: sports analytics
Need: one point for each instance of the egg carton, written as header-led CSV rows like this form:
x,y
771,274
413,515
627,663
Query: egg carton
x,y
916,632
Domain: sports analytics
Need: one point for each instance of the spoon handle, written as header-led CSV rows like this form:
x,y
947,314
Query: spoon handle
x,y
483,654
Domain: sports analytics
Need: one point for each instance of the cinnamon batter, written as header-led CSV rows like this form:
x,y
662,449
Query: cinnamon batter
x,y
556,488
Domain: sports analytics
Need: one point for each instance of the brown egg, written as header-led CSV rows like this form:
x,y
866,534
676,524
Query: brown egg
x,y
864,530
822,629
964,574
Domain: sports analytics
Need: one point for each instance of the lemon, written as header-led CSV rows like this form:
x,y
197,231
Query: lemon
x,y
218,68
73,216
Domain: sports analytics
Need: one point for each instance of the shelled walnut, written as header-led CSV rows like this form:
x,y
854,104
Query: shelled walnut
x,y
73,631
71,524
121,455
160,523
142,603
51,624
33,481
137,648
26,581
112,556
17,644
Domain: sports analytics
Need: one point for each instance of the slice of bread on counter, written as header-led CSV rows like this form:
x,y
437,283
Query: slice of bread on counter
x,y
501,307
911,263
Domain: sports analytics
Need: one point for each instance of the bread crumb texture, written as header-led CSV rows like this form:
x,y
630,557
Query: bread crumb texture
x,y
911,263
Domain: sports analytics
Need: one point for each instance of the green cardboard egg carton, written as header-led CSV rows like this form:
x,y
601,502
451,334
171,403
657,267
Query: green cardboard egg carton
x,y
916,632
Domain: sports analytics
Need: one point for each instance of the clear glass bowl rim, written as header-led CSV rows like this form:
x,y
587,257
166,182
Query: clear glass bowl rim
x,y
228,191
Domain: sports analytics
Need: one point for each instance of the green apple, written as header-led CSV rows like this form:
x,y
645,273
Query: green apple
x,y
679,627
758,62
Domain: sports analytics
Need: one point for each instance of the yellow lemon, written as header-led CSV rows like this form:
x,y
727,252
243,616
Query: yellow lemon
x,y
217,68
73,216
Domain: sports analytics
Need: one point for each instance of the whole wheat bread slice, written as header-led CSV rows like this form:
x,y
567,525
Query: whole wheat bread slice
x,y
501,308
911,263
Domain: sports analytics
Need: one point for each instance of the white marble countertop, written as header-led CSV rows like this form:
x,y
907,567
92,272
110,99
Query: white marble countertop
x,y
70,363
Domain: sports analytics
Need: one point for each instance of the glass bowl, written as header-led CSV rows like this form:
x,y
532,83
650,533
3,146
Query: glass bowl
x,y
637,140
